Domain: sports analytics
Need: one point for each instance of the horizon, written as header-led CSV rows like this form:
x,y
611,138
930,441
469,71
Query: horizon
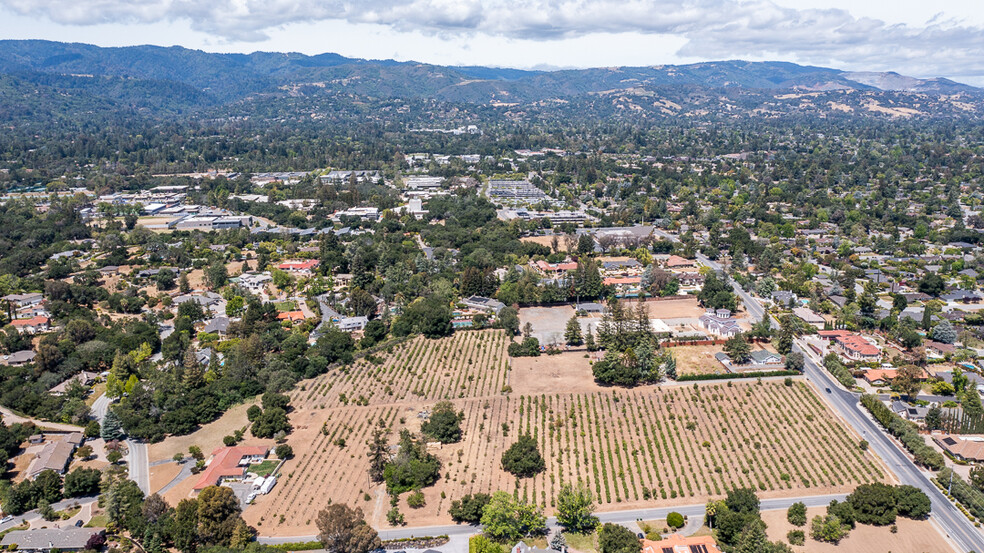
x,y
909,38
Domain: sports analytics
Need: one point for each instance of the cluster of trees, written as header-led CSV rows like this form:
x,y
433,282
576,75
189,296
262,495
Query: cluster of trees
x,y
523,458
906,432
633,354
876,504
270,421
739,525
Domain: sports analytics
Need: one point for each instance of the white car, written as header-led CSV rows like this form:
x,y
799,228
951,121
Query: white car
x,y
250,497
6,519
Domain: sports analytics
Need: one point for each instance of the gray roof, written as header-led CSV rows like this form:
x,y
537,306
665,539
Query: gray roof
x,y
48,538
761,355
23,356
218,324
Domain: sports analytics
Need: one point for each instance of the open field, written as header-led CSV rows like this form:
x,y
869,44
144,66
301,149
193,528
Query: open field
x,y
633,448
547,240
669,309
697,359
914,536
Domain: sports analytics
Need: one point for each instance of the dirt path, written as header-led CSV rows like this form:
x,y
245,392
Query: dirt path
x,y
9,417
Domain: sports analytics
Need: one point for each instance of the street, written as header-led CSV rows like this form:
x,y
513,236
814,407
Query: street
x,y
845,403
136,460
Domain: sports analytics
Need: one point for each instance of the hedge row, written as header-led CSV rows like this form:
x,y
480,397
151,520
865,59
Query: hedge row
x,y
840,372
905,431
731,376
965,494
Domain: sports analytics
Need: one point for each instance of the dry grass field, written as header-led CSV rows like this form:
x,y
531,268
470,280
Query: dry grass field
x,y
634,448
913,536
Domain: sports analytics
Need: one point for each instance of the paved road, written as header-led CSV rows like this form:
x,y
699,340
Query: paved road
x,y
100,407
615,517
33,517
136,460
955,525
9,417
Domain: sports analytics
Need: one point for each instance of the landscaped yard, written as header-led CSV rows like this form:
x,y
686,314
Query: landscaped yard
x,y
289,305
265,468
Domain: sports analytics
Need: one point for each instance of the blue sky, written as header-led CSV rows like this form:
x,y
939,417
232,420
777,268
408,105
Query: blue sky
x,y
924,39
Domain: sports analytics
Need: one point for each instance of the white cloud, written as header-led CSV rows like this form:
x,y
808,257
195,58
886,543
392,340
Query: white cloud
x,y
794,30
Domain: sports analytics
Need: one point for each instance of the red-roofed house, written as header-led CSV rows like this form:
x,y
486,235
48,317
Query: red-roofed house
x,y
304,267
32,325
292,316
677,262
229,464
853,347
554,268
675,543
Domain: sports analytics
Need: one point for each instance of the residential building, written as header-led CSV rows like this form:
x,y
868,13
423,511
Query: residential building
x,y
292,316
962,447
83,379
938,350
809,317
352,324
45,540
254,283
33,325
555,268
676,543
677,262
852,346
18,301
53,456
218,325
783,297
20,358
229,464
720,322
301,267
484,304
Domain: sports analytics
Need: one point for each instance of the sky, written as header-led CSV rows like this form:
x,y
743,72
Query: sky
x,y
938,38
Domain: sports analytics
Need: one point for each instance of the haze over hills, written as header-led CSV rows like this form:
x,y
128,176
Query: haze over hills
x,y
153,78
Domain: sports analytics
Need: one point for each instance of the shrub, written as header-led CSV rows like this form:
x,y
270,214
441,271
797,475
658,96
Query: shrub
x,y
469,508
674,520
828,529
416,500
874,504
284,451
796,537
796,515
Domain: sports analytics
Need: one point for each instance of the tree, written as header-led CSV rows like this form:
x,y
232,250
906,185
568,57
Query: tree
x,y
572,334
795,362
48,486
216,275
613,538
523,458
907,381
342,529
944,332
196,453
218,513
874,504
753,539
507,519
82,482
112,427
796,515
378,455
932,284
574,509
508,320
912,502
84,452
738,349
412,468
481,544
828,529
284,451
742,500
123,502
362,303
585,244
934,418
444,423
469,508
185,527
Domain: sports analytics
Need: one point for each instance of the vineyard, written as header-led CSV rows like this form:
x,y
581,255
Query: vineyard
x,y
633,448
469,364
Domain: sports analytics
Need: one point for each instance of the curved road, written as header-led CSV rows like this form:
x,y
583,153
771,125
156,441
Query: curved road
x,y
138,465
846,403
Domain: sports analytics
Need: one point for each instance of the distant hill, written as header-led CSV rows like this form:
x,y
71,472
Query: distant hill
x,y
160,80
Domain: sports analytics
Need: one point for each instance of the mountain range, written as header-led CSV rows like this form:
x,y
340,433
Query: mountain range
x,y
174,78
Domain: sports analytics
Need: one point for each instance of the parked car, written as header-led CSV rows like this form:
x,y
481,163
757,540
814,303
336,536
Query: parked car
x,y
78,523
6,519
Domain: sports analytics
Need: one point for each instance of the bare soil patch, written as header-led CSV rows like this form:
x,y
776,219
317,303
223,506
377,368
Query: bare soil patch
x,y
698,359
208,437
914,536
669,309
569,371
160,475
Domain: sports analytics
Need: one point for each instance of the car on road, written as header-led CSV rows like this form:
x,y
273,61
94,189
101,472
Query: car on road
x,y
78,523
6,519
828,390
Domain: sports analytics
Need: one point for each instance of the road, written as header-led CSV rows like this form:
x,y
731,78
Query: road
x,y
615,517
9,417
846,403
137,462
34,517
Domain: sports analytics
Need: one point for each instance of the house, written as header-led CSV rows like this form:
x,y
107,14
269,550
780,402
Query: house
x,y
207,300
963,448
677,262
484,304
624,286
523,548
783,297
880,377
53,456
292,316
962,296
913,413
764,357
229,464
720,322
621,266
690,279
254,283
83,379
853,347
555,268
20,358
218,325
938,350
809,317
352,324
70,538
33,325
676,543
305,267
23,300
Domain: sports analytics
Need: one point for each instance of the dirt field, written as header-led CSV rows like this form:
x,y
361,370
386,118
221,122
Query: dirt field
x,y
670,309
568,371
208,437
548,323
698,359
914,536
162,474
546,241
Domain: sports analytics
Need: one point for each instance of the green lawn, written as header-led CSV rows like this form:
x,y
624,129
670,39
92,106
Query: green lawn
x,y
264,469
286,306
586,543
98,521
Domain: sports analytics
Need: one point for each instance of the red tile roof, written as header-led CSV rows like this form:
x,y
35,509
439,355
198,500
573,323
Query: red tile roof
x,y
306,265
225,463
33,321
292,316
